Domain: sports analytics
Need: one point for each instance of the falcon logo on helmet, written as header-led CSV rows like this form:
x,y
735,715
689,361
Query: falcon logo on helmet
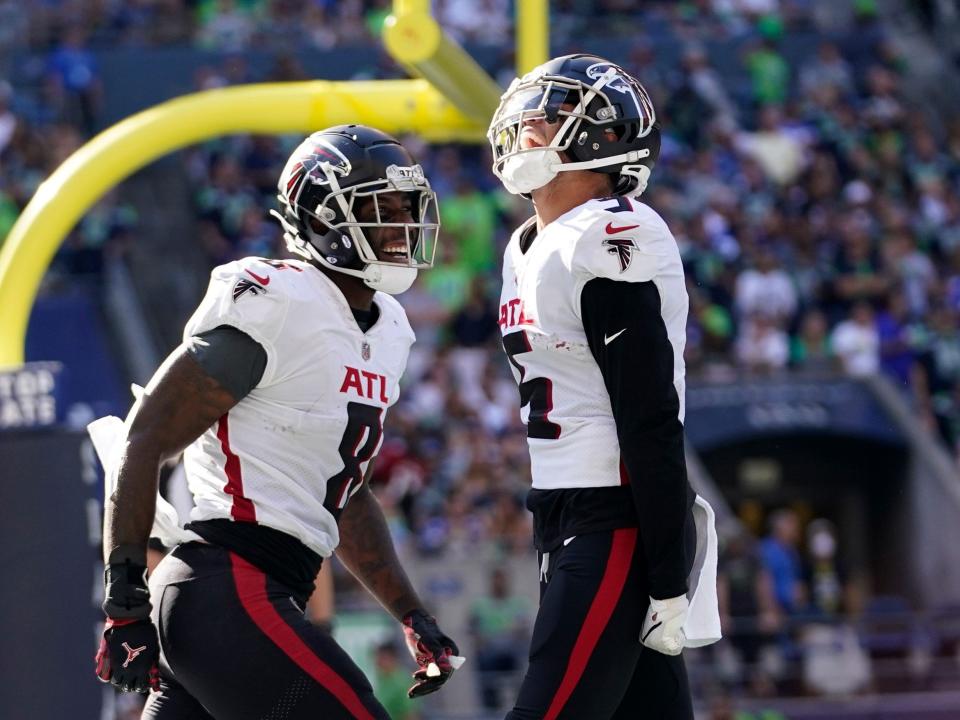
x,y
618,83
315,168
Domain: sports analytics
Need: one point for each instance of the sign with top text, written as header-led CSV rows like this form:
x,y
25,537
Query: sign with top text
x,y
30,396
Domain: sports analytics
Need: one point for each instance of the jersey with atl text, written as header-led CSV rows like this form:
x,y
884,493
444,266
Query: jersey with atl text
x,y
291,453
570,425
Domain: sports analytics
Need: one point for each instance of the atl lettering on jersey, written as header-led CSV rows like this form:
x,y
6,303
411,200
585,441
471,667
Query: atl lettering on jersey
x,y
352,383
513,313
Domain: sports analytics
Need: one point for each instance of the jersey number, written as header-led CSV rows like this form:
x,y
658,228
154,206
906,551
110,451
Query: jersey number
x,y
360,440
538,392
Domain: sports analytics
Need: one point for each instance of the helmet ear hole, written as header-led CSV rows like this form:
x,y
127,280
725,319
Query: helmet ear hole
x,y
616,131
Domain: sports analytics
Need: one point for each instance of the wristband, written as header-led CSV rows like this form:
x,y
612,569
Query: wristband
x,y
125,584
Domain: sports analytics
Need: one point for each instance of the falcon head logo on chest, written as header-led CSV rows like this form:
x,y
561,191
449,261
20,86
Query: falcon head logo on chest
x,y
244,286
623,248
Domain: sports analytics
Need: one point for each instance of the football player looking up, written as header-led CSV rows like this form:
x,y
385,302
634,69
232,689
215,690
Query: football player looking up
x,y
278,394
593,314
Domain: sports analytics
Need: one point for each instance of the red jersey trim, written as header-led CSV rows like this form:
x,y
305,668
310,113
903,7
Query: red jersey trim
x,y
242,510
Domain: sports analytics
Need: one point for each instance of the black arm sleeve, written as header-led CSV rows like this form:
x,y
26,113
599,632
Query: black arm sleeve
x,y
629,341
231,357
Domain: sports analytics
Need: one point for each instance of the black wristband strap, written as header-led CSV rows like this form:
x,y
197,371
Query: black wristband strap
x,y
125,584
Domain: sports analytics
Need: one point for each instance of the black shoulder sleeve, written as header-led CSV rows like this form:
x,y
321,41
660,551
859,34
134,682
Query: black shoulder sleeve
x,y
231,357
629,341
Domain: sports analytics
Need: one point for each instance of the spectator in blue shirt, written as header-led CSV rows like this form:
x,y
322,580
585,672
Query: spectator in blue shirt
x,y
782,560
73,67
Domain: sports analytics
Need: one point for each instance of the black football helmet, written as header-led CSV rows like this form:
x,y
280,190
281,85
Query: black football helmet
x,y
592,97
324,184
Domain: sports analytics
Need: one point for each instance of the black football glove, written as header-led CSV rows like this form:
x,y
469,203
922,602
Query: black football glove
x,y
435,653
129,649
128,654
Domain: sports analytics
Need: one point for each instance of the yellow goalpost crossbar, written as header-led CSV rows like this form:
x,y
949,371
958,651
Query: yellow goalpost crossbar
x,y
451,101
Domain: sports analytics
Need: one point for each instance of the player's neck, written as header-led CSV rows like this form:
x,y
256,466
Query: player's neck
x,y
355,292
565,192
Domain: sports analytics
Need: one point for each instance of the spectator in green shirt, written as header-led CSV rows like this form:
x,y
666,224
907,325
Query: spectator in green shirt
x,y
810,348
499,624
9,212
769,74
470,221
448,283
391,682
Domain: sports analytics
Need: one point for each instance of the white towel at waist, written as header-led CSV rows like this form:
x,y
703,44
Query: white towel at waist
x,y
703,617
108,434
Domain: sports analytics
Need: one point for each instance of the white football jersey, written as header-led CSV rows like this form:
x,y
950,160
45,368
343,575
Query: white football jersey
x,y
564,402
290,453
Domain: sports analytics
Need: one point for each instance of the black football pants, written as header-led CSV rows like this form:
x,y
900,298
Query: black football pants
x,y
586,660
235,646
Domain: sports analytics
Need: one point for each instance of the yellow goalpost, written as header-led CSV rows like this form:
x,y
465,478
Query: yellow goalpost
x,y
452,99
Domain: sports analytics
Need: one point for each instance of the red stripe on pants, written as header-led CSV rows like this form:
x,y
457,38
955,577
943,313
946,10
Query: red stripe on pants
x,y
242,509
251,586
604,602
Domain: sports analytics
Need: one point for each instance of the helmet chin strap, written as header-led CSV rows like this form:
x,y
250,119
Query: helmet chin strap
x,y
528,171
391,279
525,172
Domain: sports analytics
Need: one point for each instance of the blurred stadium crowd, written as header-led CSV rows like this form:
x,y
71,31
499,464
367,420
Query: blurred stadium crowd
x,y
816,209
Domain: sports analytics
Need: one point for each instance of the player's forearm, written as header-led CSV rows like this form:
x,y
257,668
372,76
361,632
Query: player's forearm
x,y
366,548
129,510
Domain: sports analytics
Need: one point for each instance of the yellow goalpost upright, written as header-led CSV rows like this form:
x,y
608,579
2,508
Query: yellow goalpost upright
x,y
451,100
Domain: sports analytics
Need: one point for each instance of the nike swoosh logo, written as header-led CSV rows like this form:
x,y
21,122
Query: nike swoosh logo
x,y
261,280
607,339
612,230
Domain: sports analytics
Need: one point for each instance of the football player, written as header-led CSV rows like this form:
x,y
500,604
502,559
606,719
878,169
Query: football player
x,y
593,313
278,393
